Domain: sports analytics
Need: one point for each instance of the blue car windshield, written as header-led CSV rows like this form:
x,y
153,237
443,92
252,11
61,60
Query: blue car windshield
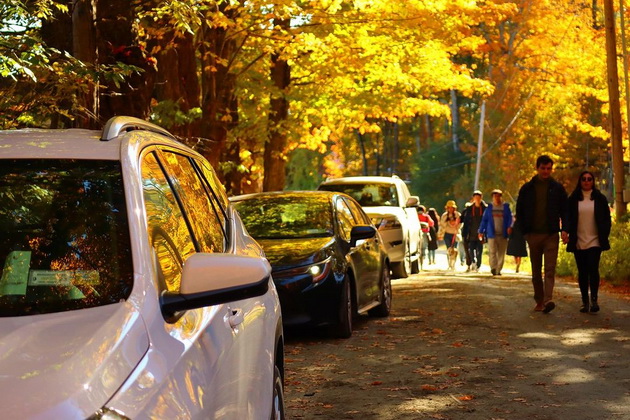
x,y
287,216
368,195
65,236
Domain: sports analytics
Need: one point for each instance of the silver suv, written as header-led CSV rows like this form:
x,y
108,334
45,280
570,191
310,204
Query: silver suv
x,y
392,208
129,286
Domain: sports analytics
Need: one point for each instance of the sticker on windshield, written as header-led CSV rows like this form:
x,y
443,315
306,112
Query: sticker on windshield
x,y
63,278
15,273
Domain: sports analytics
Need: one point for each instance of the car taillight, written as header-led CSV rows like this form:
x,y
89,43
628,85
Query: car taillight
x,y
386,223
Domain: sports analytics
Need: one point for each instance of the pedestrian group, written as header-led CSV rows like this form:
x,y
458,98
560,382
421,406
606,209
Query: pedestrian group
x,y
544,214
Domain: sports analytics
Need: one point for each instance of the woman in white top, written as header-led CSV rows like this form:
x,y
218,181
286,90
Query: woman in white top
x,y
450,224
588,227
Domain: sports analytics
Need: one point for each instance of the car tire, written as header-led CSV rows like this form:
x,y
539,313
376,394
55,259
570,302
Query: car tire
x,y
384,308
402,269
415,265
277,407
343,328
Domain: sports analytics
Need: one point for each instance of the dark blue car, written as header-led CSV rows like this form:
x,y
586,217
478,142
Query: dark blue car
x,y
327,258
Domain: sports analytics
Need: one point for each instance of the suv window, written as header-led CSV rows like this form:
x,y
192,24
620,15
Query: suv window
x,y
168,231
65,236
367,194
206,227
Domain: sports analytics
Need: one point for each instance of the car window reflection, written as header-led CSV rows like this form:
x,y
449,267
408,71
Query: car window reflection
x,y
286,216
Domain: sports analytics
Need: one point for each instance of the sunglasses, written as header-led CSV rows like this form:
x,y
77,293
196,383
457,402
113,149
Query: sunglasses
x,y
587,178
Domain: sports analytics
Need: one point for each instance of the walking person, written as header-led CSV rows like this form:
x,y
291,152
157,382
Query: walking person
x,y
517,247
464,255
496,224
450,223
426,223
588,228
433,241
541,206
471,220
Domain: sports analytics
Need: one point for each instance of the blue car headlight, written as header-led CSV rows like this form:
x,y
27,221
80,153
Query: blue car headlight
x,y
107,414
318,272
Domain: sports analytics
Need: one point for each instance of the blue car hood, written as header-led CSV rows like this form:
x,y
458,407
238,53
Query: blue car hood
x,y
284,254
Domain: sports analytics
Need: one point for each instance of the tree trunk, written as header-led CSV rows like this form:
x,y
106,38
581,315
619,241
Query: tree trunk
x,y
117,43
84,48
275,146
57,33
361,139
219,104
455,120
395,148
429,126
177,80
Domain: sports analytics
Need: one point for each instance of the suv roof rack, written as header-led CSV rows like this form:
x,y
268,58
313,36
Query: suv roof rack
x,y
119,124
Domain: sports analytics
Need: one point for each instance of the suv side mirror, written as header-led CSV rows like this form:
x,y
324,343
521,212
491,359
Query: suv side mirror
x,y
210,279
361,232
413,201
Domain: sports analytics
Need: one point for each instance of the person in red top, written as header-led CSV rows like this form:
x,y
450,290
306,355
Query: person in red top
x,y
426,223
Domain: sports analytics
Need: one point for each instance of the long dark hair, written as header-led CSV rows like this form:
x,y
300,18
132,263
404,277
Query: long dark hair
x,y
434,216
577,192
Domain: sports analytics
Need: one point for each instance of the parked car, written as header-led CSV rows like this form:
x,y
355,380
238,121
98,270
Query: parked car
x,y
129,287
327,258
387,200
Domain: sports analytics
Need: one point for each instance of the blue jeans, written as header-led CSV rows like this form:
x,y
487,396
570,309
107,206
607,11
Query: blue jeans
x,y
448,240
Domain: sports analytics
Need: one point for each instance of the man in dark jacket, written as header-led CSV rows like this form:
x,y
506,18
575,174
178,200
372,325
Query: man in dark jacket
x,y
471,219
541,206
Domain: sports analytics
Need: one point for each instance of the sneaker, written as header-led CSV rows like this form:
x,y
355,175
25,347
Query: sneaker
x,y
473,267
539,307
584,308
468,269
493,271
549,306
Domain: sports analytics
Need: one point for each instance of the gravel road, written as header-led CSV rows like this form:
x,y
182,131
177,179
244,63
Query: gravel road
x,y
467,346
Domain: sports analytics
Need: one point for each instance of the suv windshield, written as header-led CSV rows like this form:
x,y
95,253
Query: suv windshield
x,y
287,216
368,195
65,238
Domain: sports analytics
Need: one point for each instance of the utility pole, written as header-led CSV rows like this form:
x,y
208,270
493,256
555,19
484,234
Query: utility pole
x,y
615,112
482,121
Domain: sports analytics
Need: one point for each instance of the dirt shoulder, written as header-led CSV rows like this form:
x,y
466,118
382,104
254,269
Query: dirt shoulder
x,y
468,345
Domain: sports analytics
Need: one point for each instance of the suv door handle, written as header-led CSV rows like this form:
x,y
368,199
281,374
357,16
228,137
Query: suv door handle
x,y
236,317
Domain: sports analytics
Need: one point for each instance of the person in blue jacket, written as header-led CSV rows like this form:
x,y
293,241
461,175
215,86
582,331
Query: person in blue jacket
x,y
496,225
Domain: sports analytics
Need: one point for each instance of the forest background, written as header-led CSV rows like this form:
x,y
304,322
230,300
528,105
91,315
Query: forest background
x,y
283,94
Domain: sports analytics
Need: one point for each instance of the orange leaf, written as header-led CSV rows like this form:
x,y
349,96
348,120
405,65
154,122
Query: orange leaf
x,y
377,383
466,398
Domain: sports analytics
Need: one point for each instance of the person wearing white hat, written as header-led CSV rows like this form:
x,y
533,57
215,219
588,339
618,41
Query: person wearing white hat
x,y
496,224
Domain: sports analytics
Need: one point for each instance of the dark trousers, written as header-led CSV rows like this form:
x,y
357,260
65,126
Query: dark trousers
x,y
475,250
467,251
587,261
